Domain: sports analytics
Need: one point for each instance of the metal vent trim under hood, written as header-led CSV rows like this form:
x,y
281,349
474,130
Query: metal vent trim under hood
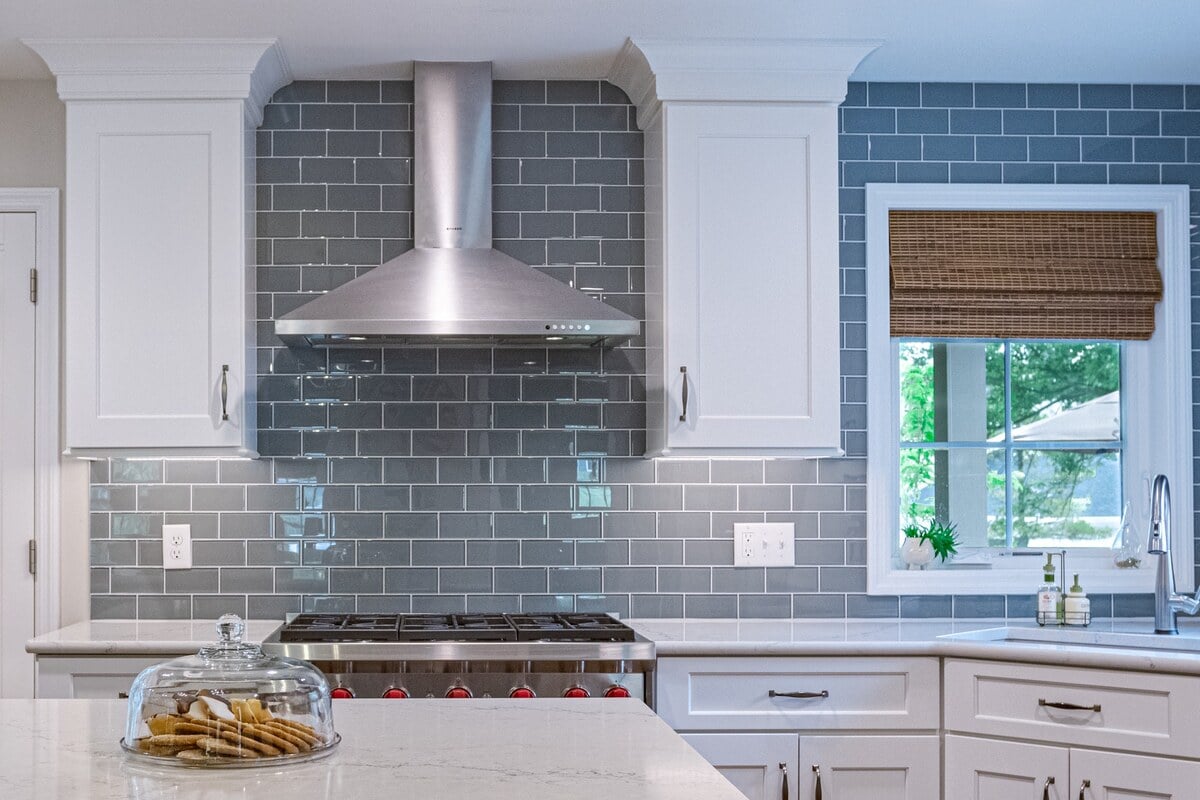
x,y
453,288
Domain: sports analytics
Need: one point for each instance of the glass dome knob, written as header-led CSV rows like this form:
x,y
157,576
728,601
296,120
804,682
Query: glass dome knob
x,y
230,628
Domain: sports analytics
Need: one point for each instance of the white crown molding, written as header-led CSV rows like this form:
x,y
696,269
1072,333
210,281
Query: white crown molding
x,y
655,71
166,69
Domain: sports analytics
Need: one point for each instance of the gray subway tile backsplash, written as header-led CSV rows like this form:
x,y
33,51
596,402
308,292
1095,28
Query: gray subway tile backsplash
x,y
425,479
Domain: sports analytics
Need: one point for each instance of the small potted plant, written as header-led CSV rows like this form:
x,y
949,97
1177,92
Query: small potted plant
x,y
922,544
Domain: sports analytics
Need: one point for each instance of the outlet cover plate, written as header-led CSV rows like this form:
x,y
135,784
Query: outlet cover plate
x,y
177,546
764,544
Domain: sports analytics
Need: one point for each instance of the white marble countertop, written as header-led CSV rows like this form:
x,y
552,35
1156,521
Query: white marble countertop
x,y
722,637
138,637
427,749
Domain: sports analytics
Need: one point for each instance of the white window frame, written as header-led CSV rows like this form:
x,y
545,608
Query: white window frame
x,y
1156,389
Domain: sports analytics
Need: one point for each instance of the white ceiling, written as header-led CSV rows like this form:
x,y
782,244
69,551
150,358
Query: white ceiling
x,y
1139,41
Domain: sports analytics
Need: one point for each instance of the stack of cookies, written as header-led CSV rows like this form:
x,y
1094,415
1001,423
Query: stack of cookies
x,y
217,729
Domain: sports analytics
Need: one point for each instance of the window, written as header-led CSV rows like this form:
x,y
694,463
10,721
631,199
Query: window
x,y
1025,444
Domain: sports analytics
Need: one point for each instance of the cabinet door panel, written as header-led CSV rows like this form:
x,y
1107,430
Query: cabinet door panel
x,y
751,287
750,761
156,282
871,767
983,769
1116,776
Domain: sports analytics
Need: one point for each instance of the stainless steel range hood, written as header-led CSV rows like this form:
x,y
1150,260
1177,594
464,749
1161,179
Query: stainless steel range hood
x,y
453,288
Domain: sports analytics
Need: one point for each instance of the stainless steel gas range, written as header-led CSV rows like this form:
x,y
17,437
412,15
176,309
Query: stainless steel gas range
x,y
471,655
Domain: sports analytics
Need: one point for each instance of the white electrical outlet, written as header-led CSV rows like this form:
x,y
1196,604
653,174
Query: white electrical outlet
x,y
764,544
177,546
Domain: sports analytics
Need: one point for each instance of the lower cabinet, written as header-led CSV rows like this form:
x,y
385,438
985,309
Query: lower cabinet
x,y
992,769
825,767
90,678
753,762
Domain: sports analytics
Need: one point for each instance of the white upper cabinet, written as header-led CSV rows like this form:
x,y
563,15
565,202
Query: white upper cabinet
x,y
742,307
159,347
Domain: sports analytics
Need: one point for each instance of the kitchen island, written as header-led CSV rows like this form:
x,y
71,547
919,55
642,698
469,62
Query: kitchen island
x,y
427,749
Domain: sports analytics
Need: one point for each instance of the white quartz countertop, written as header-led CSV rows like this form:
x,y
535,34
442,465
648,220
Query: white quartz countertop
x,y
427,749
139,637
721,637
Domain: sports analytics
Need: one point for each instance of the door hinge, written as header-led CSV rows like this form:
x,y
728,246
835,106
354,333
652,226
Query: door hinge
x,y
33,557
33,285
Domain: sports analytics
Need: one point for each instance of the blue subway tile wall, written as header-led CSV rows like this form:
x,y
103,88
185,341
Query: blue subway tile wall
x,y
500,480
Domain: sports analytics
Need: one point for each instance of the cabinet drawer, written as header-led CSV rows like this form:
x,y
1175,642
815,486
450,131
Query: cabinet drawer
x,y
1121,710
863,693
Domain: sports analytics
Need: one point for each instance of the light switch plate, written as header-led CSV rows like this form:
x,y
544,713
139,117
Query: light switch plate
x,y
764,544
177,546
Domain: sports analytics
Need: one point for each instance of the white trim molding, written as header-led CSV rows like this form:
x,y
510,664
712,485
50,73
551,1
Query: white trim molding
x,y
251,70
654,71
1156,388
44,203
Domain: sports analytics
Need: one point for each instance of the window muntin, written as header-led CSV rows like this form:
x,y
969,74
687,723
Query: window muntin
x,y
1018,442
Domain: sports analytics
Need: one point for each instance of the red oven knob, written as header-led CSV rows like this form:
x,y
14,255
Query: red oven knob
x,y
522,691
617,691
458,692
395,693
341,693
576,691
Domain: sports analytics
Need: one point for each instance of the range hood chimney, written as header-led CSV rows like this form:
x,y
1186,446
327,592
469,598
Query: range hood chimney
x,y
452,288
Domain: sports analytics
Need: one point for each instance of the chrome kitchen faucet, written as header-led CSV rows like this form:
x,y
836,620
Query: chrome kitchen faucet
x,y
1167,602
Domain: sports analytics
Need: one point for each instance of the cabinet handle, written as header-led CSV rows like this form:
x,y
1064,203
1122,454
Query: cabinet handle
x,y
1069,706
1083,787
683,416
784,794
224,392
817,785
122,695
1046,787
801,695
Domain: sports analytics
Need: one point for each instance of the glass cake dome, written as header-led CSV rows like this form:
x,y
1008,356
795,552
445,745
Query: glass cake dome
x,y
230,705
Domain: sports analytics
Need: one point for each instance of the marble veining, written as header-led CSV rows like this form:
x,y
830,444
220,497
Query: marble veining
x,y
428,749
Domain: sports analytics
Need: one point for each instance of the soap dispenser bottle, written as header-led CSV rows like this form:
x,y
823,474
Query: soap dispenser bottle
x,y
1078,606
1049,596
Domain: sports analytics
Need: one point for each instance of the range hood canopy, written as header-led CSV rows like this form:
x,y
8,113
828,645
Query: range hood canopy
x,y
453,288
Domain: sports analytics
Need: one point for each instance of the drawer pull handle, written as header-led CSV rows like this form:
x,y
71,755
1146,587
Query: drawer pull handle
x,y
1068,706
1084,787
801,695
784,794
122,695
1046,787
817,786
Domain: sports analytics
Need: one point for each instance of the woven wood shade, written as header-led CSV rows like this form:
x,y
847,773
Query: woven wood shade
x,y
1024,274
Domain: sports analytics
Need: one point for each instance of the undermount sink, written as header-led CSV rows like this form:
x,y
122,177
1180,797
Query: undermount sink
x,y
1188,642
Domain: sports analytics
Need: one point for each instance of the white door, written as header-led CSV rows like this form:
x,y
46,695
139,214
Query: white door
x,y
1115,776
870,767
755,763
990,769
17,257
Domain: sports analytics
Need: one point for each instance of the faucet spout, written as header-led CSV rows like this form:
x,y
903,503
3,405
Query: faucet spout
x,y
1168,603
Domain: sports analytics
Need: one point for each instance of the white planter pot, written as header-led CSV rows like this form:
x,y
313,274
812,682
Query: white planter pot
x,y
916,553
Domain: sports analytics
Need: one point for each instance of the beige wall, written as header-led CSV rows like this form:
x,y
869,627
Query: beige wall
x,y
32,135
33,154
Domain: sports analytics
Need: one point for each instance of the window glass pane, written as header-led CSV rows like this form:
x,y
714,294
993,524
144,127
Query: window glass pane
x,y
916,392
1065,498
1066,391
962,485
997,518
948,391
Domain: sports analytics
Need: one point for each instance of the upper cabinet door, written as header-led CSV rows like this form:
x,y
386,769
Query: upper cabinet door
x,y
157,285
749,348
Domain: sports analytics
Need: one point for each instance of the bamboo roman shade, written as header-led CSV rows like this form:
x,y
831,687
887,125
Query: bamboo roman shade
x,y
1024,274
